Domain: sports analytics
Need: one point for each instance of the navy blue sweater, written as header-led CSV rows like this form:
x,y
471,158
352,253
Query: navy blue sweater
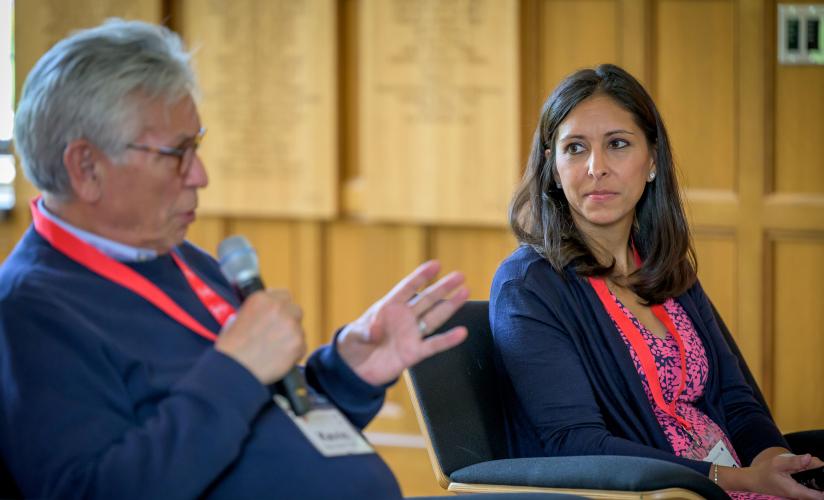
x,y
570,386
105,396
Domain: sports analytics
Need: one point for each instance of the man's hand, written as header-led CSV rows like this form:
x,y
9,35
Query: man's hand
x,y
266,336
389,337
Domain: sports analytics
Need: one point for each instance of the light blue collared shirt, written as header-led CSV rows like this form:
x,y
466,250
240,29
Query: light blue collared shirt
x,y
113,249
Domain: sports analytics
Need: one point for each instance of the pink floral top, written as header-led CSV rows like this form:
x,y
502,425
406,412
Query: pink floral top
x,y
667,360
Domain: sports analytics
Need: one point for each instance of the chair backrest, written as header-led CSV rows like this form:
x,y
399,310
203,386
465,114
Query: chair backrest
x,y
457,396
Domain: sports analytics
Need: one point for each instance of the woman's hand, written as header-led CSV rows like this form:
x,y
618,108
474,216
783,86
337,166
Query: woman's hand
x,y
770,474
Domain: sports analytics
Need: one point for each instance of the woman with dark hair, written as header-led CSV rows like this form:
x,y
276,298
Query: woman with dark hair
x,y
606,341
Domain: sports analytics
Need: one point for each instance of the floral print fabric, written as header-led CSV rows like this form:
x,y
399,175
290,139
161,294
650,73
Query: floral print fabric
x,y
705,434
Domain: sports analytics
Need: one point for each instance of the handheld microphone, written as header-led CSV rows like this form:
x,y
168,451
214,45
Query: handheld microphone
x,y
239,263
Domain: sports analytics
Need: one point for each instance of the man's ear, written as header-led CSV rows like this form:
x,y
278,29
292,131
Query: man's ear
x,y
83,165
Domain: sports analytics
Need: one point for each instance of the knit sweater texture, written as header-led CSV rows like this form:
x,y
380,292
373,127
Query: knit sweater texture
x,y
105,396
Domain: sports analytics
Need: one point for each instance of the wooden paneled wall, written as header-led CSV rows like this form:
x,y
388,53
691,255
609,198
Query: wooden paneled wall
x,y
748,139
267,78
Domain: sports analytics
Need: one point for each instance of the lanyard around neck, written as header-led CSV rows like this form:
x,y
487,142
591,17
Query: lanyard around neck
x,y
116,272
642,350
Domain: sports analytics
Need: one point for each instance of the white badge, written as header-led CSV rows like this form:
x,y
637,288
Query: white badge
x,y
327,429
719,454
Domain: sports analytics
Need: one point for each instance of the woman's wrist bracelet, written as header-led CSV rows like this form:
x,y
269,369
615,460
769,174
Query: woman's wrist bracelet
x,y
715,473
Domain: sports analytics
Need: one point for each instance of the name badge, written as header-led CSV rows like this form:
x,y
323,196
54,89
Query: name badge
x,y
719,454
327,429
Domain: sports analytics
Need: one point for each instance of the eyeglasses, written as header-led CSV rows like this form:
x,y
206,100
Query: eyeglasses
x,y
184,154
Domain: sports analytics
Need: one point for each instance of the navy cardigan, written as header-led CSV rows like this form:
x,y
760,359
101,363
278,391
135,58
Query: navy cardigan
x,y
569,383
104,396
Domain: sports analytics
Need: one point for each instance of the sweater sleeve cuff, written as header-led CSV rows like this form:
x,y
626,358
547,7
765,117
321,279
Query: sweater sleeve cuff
x,y
328,372
222,381
769,437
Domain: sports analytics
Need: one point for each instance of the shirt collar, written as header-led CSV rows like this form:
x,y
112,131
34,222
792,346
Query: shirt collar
x,y
110,248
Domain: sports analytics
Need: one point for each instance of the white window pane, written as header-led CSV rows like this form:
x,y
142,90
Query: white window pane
x,y
6,69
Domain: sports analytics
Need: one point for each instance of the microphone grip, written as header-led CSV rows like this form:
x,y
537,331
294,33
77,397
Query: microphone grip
x,y
249,286
293,385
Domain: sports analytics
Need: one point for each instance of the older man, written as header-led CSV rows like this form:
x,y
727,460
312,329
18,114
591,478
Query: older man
x,y
123,374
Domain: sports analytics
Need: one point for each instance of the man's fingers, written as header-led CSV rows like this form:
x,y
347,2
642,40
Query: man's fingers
x,y
441,342
277,299
424,301
443,310
408,286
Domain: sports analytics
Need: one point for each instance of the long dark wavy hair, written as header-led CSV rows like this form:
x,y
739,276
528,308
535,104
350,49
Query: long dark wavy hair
x,y
540,215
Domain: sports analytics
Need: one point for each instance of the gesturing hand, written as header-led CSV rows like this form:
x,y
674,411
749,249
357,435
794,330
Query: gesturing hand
x,y
390,336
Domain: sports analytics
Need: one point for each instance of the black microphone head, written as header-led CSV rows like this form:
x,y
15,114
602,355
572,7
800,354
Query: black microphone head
x,y
238,260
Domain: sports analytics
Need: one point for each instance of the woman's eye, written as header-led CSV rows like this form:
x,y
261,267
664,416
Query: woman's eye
x,y
574,148
618,143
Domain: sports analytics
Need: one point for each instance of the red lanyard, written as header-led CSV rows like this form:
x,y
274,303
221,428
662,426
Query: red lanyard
x,y
641,348
116,272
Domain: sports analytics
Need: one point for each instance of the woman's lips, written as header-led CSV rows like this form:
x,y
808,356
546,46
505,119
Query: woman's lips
x,y
601,195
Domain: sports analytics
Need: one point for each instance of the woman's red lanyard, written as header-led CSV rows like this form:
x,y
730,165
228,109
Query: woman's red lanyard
x,y
116,272
641,348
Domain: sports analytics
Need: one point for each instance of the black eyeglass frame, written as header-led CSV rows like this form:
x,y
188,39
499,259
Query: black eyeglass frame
x,y
179,153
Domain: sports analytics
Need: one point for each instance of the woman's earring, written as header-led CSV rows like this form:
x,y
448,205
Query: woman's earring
x,y
651,176
558,185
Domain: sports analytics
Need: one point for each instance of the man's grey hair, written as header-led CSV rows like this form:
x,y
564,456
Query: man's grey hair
x,y
91,85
